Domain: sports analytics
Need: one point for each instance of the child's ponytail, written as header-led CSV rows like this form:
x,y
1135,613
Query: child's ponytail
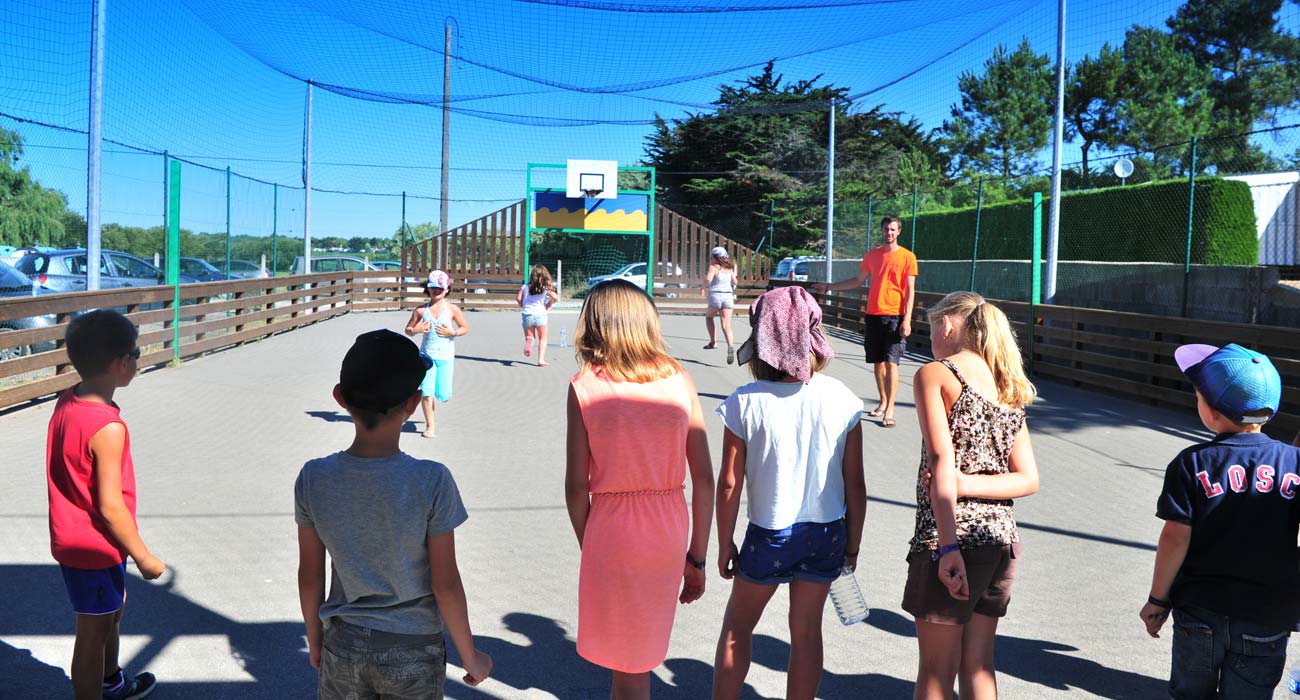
x,y
988,332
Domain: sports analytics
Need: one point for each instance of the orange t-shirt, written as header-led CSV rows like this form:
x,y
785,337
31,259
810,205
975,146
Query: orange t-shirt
x,y
889,272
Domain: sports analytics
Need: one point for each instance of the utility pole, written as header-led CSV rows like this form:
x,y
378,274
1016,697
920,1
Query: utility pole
x,y
446,124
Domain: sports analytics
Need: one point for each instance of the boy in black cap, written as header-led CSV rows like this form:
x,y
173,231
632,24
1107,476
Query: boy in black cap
x,y
387,520
1227,564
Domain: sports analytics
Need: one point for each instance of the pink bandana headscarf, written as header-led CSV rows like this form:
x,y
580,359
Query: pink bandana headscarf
x,y
787,327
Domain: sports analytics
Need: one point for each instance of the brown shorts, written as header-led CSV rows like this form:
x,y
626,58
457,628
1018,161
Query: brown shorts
x,y
990,571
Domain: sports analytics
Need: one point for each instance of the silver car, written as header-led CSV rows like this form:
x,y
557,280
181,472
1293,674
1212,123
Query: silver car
x,y
14,284
65,270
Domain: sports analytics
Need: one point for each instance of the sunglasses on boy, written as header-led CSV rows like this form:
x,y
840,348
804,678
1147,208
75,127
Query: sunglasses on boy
x,y
134,354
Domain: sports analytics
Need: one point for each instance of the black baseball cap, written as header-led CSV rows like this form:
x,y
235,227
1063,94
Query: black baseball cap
x,y
381,370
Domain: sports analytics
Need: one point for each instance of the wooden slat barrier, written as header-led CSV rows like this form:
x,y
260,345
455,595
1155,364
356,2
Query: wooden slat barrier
x,y
213,315
1115,352
491,248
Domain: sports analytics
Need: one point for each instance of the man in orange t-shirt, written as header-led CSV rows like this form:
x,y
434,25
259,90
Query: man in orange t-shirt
x,y
892,271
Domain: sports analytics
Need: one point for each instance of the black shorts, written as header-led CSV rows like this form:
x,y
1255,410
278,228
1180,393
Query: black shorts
x,y
882,339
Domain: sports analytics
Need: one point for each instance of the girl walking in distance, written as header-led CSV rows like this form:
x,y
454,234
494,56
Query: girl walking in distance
x,y
441,322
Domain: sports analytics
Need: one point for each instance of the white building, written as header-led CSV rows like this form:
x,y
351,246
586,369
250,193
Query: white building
x,y
1277,215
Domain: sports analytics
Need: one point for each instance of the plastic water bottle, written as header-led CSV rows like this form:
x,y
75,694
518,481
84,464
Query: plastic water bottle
x,y
850,606
1293,683
564,337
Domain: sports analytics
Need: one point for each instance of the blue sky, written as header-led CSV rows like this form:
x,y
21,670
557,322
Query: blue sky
x,y
221,83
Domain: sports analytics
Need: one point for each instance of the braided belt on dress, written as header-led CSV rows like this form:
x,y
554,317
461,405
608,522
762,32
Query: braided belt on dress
x,y
642,492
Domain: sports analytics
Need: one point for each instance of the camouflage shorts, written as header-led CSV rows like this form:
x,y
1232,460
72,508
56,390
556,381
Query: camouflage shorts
x,y
358,663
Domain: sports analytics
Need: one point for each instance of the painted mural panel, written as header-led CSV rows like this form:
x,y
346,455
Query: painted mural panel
x,y
626,212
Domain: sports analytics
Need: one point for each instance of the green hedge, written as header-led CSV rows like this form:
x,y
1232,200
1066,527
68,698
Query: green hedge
x,y
1138,223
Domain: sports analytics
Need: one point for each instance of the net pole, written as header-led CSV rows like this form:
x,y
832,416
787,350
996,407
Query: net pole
x,y
446,124
174,251
916,194
227,222
1035,275
830,193
95,142
306,183
275,228
1191,209
975,249
867,243
1054,234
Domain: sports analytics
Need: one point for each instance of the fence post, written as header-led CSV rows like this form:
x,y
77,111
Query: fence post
x,y
975,248
1035,275
1191,209
915,195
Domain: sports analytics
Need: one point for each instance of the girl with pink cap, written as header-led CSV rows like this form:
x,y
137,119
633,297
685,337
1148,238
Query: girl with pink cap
x,y
441,322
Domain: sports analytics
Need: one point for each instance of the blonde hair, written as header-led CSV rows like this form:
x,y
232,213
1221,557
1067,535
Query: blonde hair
x,y
618,332
540,280
986,330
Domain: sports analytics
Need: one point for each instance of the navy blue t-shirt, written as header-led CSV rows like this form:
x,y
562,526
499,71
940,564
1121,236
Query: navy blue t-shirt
x,y
1238,493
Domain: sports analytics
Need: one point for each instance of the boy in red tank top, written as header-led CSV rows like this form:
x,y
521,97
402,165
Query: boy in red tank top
x,y
91,482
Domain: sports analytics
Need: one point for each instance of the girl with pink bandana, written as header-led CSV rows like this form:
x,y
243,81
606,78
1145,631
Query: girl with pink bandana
x,y
793,439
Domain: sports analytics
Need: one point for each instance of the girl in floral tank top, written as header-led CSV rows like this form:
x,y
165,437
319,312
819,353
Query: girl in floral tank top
x,y
975,458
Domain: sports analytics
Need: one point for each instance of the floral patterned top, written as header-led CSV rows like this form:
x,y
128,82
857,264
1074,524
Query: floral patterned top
x,y
982,436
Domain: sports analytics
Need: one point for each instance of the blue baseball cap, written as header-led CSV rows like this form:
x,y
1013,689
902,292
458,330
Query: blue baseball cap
x,y
1234,380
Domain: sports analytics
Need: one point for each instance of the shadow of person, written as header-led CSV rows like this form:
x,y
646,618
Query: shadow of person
x,y
273,653
1045,663
774,653
548,662
341,417
26,676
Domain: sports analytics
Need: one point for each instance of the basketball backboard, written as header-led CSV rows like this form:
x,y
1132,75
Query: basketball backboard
x,y
592,178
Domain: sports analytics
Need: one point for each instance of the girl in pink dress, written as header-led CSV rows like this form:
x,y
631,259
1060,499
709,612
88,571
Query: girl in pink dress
x,y
634,425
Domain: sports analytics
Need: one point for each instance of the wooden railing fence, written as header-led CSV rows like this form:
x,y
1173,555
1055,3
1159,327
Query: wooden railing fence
x,y
1116,352
491,248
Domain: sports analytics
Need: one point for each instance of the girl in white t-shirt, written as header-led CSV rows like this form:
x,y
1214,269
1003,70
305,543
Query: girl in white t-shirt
x,y
792,439
535,300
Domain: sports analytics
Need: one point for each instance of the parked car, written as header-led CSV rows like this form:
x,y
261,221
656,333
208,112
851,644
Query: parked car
x,y
330,263
635,273
200,270
15,284
246,270
65,270
386,264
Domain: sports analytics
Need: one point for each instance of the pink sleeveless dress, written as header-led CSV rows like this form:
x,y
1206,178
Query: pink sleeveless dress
x,y
634,547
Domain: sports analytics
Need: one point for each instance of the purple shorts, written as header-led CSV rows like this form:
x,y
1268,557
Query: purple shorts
x,y
96,591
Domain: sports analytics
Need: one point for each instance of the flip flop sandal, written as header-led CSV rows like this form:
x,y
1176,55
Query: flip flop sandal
x,y
876,413
887,422
731,354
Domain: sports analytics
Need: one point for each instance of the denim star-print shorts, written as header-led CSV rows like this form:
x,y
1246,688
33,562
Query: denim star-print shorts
x,y
805,551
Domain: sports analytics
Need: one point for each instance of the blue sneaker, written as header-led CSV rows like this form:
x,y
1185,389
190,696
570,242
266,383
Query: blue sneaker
x,y
133,688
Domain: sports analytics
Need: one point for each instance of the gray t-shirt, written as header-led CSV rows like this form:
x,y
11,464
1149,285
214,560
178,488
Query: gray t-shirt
x,y
375,516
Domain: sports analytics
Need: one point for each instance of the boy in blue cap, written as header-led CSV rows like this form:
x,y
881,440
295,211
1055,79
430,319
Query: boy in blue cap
x,y
1227,564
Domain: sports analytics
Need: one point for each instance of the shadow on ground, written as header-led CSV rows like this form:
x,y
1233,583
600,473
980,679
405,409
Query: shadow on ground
x,y
341,417
546,659
1042,662
273,653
